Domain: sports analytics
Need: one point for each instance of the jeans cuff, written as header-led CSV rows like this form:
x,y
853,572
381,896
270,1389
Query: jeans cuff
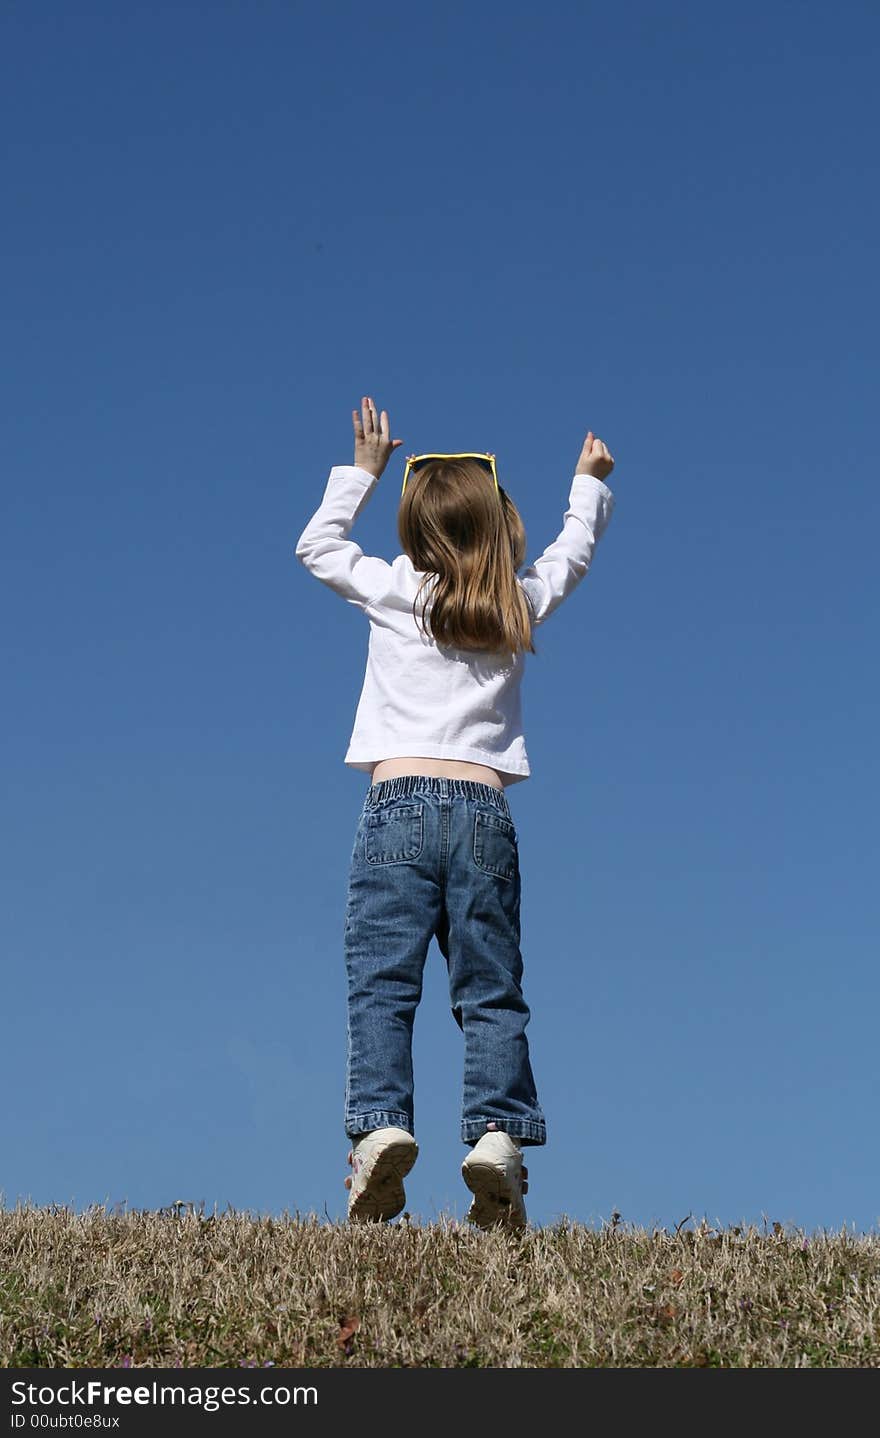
x,y
527,1130
358,1123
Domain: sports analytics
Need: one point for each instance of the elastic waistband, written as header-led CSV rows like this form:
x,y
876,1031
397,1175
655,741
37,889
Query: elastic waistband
x,y
406,784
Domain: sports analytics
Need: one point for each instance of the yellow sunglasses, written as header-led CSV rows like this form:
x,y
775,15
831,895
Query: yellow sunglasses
x,y
413,459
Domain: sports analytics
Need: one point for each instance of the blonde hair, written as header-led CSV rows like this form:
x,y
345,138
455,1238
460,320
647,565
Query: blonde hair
x,y
469,538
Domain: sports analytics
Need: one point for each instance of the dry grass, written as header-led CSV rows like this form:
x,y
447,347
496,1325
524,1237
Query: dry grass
x,y
168,1289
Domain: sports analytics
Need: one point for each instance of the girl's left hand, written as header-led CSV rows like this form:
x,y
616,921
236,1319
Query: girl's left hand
x,y
373,445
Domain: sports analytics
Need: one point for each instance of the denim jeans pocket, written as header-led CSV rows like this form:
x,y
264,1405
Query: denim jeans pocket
x,y
495,844
394,834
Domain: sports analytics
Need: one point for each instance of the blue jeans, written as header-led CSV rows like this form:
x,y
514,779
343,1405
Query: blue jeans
x,y
437,856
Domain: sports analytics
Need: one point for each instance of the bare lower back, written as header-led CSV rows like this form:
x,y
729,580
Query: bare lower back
x,y
437,769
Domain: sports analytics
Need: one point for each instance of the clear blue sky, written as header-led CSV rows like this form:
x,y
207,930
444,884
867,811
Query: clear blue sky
x,y
224,223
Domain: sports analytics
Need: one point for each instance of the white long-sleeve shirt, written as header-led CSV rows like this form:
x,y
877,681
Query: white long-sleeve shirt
x,y
419,698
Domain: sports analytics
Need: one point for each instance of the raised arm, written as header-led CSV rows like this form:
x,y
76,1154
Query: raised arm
x,y
324,547
564,563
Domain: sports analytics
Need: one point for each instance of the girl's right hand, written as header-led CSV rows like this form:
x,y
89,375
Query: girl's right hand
x,y
595,459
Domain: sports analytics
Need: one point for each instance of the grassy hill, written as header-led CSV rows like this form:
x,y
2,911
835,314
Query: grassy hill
x,y
181,1288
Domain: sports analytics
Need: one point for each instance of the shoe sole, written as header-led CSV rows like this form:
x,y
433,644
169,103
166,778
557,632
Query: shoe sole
x,y
382,1196
495,1201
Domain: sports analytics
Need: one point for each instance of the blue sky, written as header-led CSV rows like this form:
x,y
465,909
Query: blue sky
x,y
224,224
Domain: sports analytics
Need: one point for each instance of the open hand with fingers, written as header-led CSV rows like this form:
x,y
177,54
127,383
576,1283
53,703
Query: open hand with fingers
x,y
373,445
595,458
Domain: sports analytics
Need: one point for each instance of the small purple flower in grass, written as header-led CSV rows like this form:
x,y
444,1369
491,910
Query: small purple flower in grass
x,y
126,1362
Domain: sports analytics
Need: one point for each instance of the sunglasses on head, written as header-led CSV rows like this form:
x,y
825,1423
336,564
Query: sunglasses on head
x,y
413,460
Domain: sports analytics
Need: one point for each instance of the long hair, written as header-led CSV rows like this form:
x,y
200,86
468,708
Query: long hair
x,y
469,539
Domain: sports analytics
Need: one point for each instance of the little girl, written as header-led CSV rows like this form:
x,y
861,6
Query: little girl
x,y
439,729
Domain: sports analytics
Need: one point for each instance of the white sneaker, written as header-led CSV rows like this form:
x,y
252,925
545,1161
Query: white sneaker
x,y
493,1171
380,1161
